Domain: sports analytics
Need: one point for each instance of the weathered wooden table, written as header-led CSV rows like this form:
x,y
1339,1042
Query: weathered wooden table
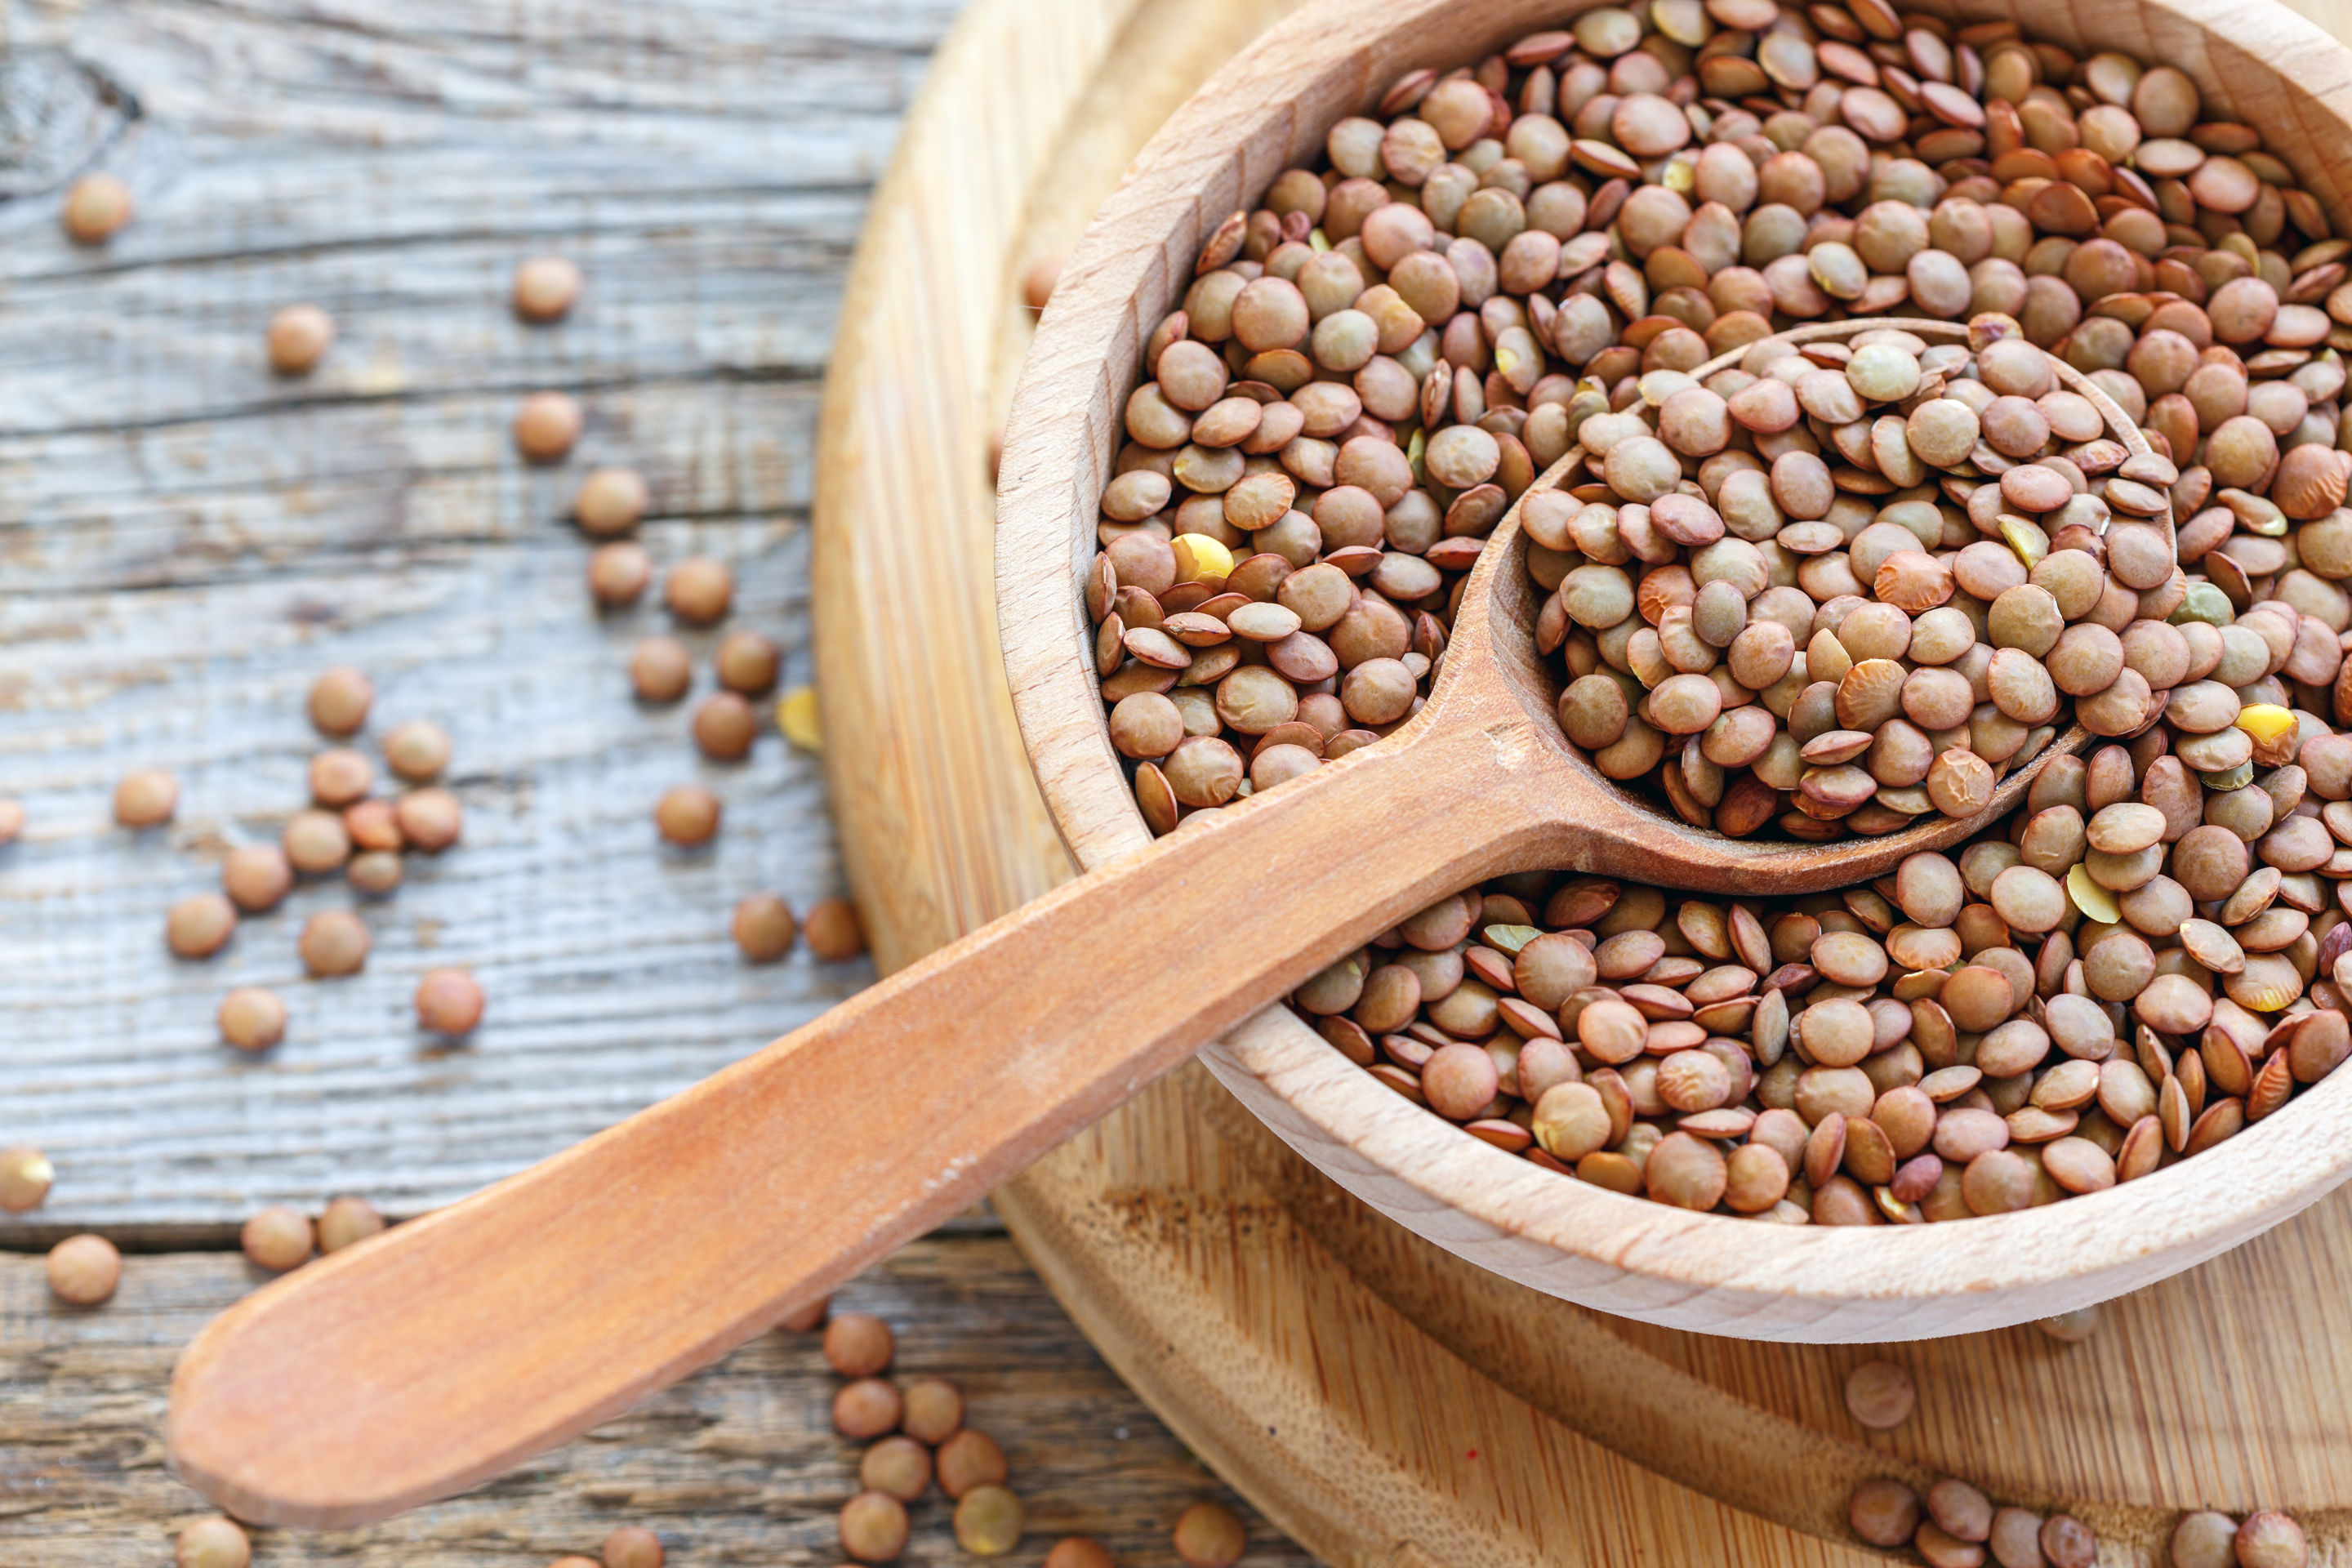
x,y
185,540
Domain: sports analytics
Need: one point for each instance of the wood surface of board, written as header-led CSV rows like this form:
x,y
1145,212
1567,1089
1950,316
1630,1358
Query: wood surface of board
x,y
186,540
1381,1400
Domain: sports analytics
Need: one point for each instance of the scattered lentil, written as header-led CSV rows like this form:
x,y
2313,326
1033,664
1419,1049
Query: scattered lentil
x,y
698,590
448,1002
545,287
146,797
12,819
547,427
340,699
25,1178
1210,1535
660,669
347,1222
764,928
969,1460
989,1521
610,501
278,1239
833,930
2269,1539
619,572
256,876
315,842
687,815
858,1345
897,1466
748,662
84,1270
1077,1552
417,751
214,1542
725,726
873,1527
333,942
96,208
934,1410
429,819
340,776
375,873
299,337
866,1407
632,1546
199,926
252,1019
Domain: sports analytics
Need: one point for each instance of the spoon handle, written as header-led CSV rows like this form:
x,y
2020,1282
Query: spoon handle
x,y
447,1349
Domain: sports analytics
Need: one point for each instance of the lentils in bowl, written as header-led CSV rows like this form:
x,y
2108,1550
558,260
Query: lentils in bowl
x,y
1854,617
1374,364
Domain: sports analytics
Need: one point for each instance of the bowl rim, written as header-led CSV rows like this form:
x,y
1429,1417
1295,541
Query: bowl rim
x,y
1256,116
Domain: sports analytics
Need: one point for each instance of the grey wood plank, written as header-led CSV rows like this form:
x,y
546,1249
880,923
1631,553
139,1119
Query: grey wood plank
x,y
185,540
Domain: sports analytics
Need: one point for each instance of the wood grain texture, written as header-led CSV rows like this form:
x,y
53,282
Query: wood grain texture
x,y
1224,1276
185,540
739,1465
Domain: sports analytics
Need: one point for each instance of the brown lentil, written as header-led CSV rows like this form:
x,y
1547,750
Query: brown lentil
x,y
251,1018
610,501
632,1546
448,1002
547,426
764,928
84,1270
858,1345
214,1542
873,1527
545,287
897,1466
417,751
25,1178
333,942
934,1410
96,208
340,699
748,662
660,669
989,1521
146,797
833,930
969,1460
2269,1539
340,776
698,590
1077,1552
299,337
866,1407
619,572
346,1222
256,876
725,726
1210,1535
687,815
316,842
278,1239
199,926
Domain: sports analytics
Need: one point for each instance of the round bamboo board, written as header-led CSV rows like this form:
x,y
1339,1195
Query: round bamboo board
x,y
1380,1400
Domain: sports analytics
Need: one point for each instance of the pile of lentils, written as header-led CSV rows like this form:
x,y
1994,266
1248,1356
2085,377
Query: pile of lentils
x,y
1369,368
1791,638
2134,966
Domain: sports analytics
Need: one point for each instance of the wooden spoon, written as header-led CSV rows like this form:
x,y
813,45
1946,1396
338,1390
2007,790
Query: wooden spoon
x,y
447,1349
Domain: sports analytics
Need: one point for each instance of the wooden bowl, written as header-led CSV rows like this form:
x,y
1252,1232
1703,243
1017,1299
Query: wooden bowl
x,y
1268,111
